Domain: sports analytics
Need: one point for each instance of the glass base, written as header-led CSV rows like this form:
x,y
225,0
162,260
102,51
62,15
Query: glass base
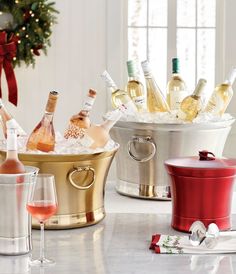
x,y
42,262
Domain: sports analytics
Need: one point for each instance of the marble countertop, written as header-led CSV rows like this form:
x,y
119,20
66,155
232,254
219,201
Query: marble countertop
x,y
118,244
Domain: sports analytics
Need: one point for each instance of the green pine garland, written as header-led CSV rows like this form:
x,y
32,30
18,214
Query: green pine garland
x,y
33,21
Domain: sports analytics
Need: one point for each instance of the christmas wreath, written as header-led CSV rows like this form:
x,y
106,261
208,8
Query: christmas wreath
x,y
25,29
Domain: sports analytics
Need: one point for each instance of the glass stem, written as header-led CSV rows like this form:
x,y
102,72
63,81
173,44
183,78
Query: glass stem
x,y
42,255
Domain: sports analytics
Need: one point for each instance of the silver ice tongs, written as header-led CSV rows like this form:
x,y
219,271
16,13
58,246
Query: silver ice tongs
x,y
210,235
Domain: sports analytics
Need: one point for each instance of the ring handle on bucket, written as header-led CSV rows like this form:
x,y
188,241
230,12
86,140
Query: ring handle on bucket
x,y
80,169
143,140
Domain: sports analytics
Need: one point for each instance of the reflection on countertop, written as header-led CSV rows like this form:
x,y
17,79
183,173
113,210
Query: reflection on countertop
x,y
118,244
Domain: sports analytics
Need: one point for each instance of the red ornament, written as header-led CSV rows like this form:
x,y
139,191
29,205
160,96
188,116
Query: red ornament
x,y
8,49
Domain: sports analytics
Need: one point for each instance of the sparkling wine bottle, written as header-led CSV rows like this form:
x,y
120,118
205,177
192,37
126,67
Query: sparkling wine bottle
x,y
96,136
135,88
12,164
43,136
192,104
6,116
79,122
119,97
221,96
155,100
176,88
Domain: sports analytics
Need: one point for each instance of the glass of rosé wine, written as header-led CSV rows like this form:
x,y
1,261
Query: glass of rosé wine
x,y
42,204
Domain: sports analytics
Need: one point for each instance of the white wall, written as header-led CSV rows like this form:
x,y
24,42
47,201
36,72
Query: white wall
x,y
80,51
73,65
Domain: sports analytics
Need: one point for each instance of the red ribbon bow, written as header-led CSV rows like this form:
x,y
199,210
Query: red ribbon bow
x,y
8,48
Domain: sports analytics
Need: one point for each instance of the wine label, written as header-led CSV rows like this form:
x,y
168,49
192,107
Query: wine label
x,y
216,105
88,104
176,97
86,141
139,101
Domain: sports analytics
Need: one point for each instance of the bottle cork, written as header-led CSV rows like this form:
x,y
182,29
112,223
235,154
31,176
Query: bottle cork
x,y
52,100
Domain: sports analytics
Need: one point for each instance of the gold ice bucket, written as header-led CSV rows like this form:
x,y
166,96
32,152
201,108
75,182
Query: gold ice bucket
x,y
80,184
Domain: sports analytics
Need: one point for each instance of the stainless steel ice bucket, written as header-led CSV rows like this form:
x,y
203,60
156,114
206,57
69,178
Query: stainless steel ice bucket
x,y
15,224
145,146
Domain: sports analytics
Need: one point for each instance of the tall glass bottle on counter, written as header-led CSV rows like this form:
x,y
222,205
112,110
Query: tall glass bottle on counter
x,y
12,164
156,101
6,116
79,122
176,88
192,104
135,88
118,97
43,136
221,95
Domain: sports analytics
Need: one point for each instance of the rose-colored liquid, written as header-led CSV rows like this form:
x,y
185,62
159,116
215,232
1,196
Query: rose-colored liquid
x,y
42,210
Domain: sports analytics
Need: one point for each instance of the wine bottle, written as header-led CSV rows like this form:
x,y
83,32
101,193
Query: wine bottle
x,y
81,121
192,104
96,136
6,116
176,88
12,164
221,96
43,136
135,88
118,97
156,101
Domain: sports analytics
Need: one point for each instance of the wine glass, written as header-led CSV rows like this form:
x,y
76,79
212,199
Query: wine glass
x,y
42,204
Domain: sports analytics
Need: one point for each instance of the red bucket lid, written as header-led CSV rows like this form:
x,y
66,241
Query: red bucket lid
x,y
206,165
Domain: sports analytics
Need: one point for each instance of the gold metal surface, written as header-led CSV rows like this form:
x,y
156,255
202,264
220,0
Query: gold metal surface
x,y
143,191
77,206
72,220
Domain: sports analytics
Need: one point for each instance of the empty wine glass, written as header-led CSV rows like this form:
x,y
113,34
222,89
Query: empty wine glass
x,y
42,204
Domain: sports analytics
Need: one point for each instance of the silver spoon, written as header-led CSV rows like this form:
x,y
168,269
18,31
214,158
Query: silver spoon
x,y
209,236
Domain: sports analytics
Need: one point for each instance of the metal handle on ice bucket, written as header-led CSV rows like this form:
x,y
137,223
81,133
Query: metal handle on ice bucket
x,y
143,140
80,169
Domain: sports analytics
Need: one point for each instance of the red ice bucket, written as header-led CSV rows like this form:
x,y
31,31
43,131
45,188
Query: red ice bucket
x,y
201,189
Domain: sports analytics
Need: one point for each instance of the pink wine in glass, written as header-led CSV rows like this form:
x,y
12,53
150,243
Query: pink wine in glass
x,y
42,210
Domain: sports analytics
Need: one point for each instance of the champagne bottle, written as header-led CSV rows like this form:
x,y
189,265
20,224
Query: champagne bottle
x,y
176,88
43,136
81,121
221,96
96,136
155,100
135,88
192,104
12,164
6,116
119,97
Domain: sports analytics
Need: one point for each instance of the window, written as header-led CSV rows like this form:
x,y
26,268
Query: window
x,y
161,29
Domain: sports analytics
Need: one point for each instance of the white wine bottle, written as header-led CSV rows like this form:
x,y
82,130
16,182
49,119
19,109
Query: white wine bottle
x,y
192,104
221,96
176,88
134,87
118,97
96,136
156,101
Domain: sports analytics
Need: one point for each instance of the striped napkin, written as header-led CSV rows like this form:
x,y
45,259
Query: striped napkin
x,y
181,245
